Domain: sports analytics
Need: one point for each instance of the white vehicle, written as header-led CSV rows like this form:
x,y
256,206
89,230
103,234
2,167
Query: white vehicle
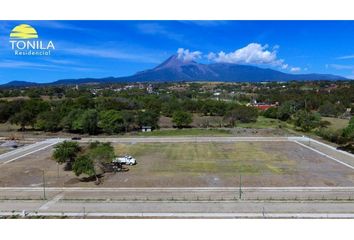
x,y
128,160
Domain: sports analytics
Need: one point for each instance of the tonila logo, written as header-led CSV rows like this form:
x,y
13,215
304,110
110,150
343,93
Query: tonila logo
x,y
24,41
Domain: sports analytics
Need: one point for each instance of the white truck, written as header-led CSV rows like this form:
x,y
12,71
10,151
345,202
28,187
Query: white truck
x,y
128,160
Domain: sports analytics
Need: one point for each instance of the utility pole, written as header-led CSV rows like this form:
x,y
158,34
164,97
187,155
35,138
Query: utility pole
x,y
240,188
44,196
263,212
57,171
309,141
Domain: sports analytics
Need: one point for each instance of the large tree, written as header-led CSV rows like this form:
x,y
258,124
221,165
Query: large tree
x,y
66,152
307,120
92,161
101,152
148,118
348,132
23,118
84,165
48,121
111,121
87,122
241,113
182,119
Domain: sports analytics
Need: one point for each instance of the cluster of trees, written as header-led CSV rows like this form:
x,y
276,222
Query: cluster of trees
x,y
329,103
112,115
307,120
341,136
304,119
89,161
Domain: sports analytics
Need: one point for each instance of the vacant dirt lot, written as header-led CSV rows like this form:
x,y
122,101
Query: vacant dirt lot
x,y
210,164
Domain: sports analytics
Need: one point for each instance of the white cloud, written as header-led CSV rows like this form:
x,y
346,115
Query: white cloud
x,y
295,69
158,29
9,64
284,66
346,57
110,53
187,56
253,53
205,23
340,66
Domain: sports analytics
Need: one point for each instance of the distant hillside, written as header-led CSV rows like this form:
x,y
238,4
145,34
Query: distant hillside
x,y
175,69
19,84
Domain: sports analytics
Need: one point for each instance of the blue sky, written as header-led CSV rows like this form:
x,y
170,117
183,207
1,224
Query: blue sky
x,y
121,48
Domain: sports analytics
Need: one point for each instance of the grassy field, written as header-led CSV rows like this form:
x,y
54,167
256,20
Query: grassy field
x,y
208,164
336,123
206,158
263,122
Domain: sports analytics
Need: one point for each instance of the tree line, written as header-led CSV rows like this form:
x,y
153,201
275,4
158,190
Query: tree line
x,y
111,115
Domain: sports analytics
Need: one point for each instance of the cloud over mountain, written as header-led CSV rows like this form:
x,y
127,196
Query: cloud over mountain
x,y
187,56
253,53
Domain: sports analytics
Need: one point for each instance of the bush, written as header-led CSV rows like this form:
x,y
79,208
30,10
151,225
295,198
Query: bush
x,y
182,119
306,120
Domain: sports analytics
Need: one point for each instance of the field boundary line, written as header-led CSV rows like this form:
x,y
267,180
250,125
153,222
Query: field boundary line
x,y
182,215
51,202
331,147
323,154
26,154
216,189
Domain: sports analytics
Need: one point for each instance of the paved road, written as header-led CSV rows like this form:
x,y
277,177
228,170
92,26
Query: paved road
x,y
168,202
217,209
27,150
180,194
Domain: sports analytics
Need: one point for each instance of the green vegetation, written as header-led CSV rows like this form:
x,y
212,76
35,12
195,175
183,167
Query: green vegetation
x,y
182,119
307,121
241,114
66,152
88,161
336,123
121,108
264,122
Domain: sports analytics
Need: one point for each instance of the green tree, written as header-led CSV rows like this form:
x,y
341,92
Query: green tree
x,y
348,132
128,119
306,120
92,161
84,165
101,152
111,121
148,118
5,112
66,152
87,122
241,113
182,119
286,110
67,122
329,109
48,121
23,118
271,112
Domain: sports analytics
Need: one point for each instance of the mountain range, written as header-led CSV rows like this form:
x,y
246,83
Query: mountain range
x,y
174,69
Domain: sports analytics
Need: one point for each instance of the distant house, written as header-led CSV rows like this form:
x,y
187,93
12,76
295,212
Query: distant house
x,y
261,106
264,107
146,129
